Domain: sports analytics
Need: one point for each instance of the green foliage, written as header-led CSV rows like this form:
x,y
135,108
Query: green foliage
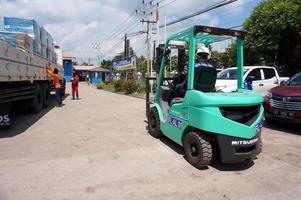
x,y
109,87
129,86
106,64
141,87
225,59
100,86
273,33
220,59
141,64
117,85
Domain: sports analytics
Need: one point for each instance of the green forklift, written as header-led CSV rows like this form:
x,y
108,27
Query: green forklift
x,y
201,119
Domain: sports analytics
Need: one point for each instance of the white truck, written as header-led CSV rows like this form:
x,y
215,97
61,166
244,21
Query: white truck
x,y
23,80
261,79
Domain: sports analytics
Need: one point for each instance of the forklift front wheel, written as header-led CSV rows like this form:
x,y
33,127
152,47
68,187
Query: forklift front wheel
x,y
154,123
198,150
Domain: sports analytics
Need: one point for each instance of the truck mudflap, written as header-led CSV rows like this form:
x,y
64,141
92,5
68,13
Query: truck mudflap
x,y
5,116
238,150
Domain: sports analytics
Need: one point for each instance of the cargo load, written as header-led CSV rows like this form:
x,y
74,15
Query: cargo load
x,y
37,48
49,41
9,38
27,34
20,40
18,25
44,52
49,53
44,36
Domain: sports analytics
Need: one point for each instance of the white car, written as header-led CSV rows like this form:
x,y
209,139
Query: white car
x,y
262,79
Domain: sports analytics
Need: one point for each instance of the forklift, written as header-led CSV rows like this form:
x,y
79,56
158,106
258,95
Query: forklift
x,y
201,119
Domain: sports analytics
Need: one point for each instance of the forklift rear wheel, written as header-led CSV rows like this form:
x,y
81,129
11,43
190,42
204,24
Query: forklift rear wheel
x,y
260,145
197,149
154,123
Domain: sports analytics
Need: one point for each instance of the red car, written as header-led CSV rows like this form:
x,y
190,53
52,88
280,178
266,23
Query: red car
x,y
284,102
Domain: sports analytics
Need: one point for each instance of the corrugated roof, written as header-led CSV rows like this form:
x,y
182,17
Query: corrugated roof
x,y
84,67
89,68
99,69
68,54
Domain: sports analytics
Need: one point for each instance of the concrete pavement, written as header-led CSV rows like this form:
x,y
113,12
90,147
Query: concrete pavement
x,y
98,148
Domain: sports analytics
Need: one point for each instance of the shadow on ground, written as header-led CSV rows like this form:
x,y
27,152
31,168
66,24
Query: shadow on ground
x,y
286,127
216,161
22,120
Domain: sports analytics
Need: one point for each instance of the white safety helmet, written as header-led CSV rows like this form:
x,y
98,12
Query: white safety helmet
x,y
203,49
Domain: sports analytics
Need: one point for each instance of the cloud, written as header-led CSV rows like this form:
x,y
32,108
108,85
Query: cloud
x,y
76,24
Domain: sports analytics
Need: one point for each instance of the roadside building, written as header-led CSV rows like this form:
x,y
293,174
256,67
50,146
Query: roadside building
x,y
96,74
68,59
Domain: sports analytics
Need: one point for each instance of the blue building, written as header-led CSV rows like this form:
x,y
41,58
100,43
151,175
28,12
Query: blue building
x,y
96,74
68,59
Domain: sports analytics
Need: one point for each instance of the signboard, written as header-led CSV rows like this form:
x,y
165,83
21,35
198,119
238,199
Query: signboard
x,y
125,64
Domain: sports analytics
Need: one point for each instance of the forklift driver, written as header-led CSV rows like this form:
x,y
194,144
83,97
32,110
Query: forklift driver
x,y
202,55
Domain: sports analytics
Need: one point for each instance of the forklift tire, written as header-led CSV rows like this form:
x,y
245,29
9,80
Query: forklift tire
x,y
36,103
198,150
260,146
269,121
46,95
154,123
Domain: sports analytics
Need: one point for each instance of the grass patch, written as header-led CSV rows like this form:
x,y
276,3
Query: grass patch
x,y
127,87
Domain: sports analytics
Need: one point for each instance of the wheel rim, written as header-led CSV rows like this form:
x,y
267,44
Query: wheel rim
x,y
194,150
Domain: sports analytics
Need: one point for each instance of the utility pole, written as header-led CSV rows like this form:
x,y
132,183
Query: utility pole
x,y
149,44
148,13
125,46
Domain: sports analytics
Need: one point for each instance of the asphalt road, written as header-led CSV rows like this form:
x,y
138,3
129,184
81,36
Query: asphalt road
x,y
98,148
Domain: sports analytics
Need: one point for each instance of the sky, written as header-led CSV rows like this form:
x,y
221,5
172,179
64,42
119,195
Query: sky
x,y
94,29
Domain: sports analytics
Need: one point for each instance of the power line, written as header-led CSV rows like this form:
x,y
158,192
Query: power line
x,y
116,31
214,6
219,15
116,45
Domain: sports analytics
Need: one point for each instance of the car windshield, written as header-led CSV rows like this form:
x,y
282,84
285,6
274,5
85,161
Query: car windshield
x,y
295,80
228,74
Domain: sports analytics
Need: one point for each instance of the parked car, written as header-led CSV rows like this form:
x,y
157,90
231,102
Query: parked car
x,y
284,102
218,70
261,79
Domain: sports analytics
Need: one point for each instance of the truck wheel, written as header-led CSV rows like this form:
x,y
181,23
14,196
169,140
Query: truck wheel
x,y
37,101
46,95
197,149
154,123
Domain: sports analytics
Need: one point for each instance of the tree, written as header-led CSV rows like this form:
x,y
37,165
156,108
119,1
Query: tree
x,y
106,64
273,34
141,64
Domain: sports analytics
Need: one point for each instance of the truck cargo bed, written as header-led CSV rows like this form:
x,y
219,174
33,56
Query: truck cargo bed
x,y
19,65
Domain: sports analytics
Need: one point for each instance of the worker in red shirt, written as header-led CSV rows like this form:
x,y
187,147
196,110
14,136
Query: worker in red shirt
x,y
74,85
56,83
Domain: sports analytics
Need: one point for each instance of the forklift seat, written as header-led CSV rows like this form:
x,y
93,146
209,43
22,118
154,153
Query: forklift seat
x,y
205,78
